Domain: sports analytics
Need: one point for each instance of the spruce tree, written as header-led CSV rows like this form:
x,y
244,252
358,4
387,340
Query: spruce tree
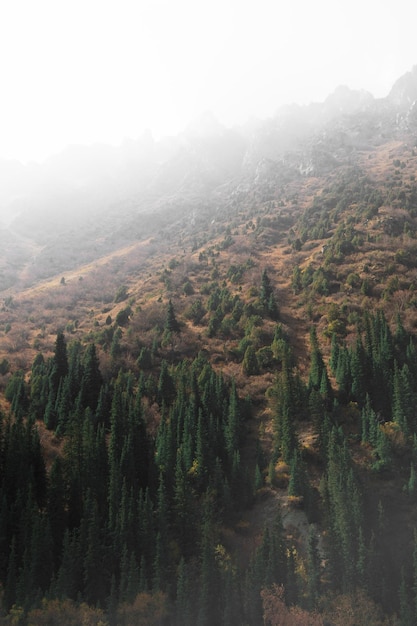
x,y
60,357
171,323
266,290
313,567
183,601
250,365
317,364
92,379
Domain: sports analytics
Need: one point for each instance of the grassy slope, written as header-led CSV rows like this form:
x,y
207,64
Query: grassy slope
x,y
261,223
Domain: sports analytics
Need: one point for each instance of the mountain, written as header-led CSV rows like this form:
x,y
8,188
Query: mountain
x,y
208,373
403,94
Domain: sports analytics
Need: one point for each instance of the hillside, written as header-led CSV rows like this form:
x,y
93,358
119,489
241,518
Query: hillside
x,y
208,364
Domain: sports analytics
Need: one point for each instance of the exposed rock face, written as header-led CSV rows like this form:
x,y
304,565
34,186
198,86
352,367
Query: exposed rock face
x,y
403,94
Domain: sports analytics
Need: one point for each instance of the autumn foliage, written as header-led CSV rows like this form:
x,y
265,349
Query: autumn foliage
x,y
277,613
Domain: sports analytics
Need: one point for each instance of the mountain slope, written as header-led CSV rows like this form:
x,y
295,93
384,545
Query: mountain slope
x,y
249,303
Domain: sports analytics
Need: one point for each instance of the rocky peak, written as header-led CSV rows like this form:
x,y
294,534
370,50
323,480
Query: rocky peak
x,y
404,91
346,101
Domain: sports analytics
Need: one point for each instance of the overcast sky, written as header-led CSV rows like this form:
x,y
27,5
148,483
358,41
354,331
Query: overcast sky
x,y
81,71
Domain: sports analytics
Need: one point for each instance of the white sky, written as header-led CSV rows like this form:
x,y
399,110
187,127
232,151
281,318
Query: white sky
x,y
81,71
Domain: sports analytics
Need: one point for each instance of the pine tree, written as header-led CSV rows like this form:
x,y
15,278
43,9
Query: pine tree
x,y
209,609
60,357
91,381
183,513
358,372
166,385
313,567
414,588
298,483
56,507
232,425
11,579
343,375
406,617
171,323
266,290
183,611
250,365
317,364
334,353
401,337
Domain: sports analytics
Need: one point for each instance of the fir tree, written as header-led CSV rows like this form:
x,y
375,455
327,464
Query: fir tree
x,y
250,365
92,379
266,290
317,364
171,323
60,357
313,568
406,617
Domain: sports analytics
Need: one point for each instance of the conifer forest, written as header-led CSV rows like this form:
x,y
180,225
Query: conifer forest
x,y
209,417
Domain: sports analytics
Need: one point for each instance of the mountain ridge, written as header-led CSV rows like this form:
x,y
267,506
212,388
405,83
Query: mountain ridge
x,y
283,272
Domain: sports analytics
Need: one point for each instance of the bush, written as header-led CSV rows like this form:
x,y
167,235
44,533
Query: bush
x,y
122,318
196,312
265,357
121,294
250,363
4,366
188,289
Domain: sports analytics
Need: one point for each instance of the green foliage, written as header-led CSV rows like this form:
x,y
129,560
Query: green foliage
x,y
196,311
122,317
171,323
188,289
144,360
250,363
121,294
4,366
296,279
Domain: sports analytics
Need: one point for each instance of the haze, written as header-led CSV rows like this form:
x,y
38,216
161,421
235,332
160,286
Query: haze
x,y
98,71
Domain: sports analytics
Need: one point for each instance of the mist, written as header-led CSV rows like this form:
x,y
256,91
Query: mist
x,y
93,72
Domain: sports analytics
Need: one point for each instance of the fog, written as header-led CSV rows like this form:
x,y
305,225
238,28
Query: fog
x,y
90,71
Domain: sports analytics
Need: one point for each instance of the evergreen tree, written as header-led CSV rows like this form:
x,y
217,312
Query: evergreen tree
x,y
414,587
406,617
56,507
60,358
334,353
313,568
171,323
92,380
232,425
11,580
250,365
358,372
317,366
183,609
298,483
209,609
166,385
266,290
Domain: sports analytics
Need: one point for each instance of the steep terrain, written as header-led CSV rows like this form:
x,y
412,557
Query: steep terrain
x,y
279,248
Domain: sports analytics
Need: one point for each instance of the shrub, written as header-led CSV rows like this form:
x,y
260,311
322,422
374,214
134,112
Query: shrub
x,y
122,318
188,288
250,363
4,366
196,311
121,294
